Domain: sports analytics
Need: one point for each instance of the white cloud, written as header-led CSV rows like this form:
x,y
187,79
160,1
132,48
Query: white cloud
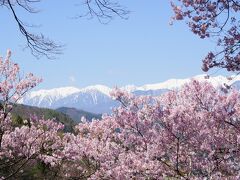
x,y
72,79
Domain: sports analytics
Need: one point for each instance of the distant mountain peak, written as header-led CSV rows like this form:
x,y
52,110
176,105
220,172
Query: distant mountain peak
x,y
101,88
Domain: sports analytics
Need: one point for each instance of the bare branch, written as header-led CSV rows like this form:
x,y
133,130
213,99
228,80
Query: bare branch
x,y
104,10
39,45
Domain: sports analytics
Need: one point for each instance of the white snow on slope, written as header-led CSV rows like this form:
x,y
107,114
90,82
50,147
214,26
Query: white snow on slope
x,y
101,88
216,81
57,92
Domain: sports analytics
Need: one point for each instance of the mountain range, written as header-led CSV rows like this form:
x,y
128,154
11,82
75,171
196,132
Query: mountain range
x,y
97,98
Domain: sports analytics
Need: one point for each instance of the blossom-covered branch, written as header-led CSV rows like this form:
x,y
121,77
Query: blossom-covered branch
x,y
217,19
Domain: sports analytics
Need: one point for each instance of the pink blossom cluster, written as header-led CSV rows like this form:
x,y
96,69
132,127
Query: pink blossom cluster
x,y
35,140
12,85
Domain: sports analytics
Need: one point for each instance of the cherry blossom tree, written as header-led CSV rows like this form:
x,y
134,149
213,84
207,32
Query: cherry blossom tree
x,y
217,19
12,88
185,134
36,139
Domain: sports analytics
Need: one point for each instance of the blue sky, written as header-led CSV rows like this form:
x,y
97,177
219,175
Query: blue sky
x,y
143,49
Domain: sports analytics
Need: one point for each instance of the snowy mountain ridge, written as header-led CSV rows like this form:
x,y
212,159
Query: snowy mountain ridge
x,y
177,83
97,98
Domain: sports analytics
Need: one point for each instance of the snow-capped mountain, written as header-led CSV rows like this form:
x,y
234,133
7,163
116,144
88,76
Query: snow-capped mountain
x,y
97,98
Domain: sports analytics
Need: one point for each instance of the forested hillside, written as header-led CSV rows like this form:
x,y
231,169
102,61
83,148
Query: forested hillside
x,y
21,112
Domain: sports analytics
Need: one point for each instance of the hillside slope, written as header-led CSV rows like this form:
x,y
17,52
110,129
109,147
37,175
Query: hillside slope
x,y
24,112
77,114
